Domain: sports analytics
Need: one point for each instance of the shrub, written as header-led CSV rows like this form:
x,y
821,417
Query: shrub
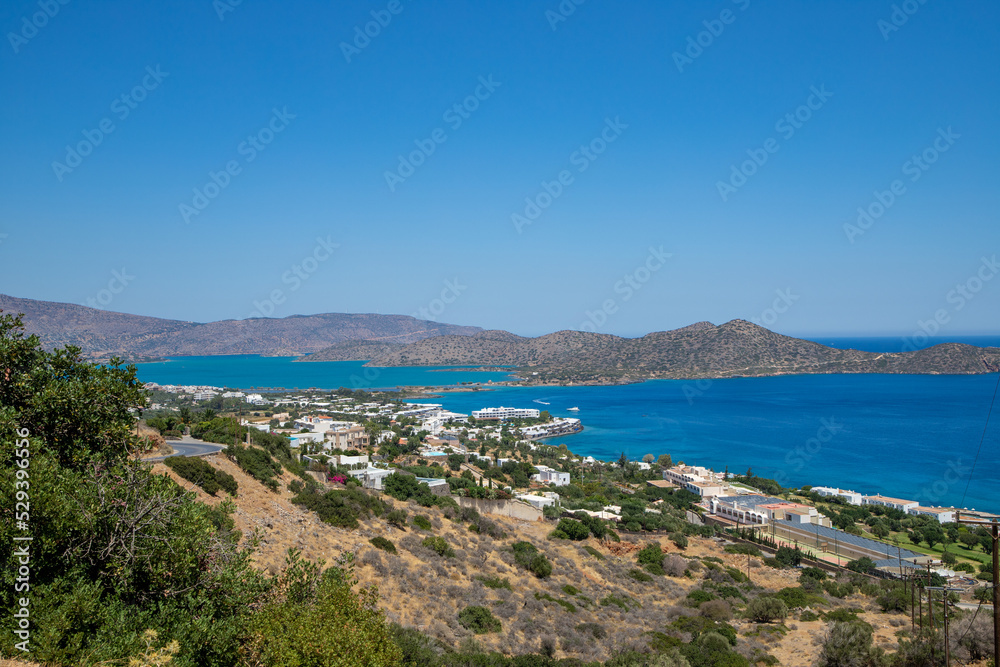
x,y
639,575
892,598
679,539
569,589
863,565
295,486
198,471
675,566
847,644
257,463
698,596
717,610
766,609
794,596
651,557
383,544
594,629
422,522
495,582
479,619
528,557
788,556
573,529
621,602
808,616
439,546
594,552
341,507
397,518
742,549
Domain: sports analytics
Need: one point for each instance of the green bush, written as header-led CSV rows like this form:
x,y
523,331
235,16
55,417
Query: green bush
x,y
621,602
679,539
439,546
639,575
573,529
594,552
422,522
651,557
198,471
495,582
788,556
742,549
697,596
397,518
569,589
257,463
341,507
479,620
383,544
287,632
766,609
528,557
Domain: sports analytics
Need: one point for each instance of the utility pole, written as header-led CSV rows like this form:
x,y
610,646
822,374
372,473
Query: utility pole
x,y
945,590
995,529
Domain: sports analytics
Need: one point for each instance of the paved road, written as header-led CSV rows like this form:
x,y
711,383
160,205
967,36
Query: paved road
x,y
188,446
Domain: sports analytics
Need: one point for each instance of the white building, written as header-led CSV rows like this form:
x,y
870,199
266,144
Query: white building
x,y
204,395
233,394
697,479
506,413
541,502
552,477
371,478
852,497
255,399
895,503
942,514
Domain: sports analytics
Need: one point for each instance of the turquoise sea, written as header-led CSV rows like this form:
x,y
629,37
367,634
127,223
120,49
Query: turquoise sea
x,y
911,436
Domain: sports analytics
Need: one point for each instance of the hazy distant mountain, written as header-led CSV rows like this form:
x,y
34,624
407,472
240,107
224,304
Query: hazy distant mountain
x,y
703,350
102,334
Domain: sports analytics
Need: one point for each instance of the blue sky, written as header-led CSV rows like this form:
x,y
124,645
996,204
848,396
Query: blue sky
x,y
620,101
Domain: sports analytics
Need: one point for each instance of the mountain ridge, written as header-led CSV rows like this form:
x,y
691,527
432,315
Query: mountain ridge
x,y
104,334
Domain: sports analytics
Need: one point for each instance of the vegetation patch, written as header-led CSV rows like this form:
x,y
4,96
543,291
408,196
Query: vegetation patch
x,y
479,620
383,544
198,471
422,522
341,507
565,604
439,546
495,582
594,552
530,558
257,463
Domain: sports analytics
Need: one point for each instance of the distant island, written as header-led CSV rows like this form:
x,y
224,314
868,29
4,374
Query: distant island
x,y
703,350
735,349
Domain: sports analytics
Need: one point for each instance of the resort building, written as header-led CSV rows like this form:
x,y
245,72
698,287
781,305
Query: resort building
x,y
506,413
696,479
371,478
763,510
894,503
852,497
942,514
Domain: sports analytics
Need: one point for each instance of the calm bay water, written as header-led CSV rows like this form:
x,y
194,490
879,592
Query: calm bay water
x,y
907,436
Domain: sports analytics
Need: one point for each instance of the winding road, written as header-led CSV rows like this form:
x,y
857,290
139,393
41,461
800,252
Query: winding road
x,y
188,446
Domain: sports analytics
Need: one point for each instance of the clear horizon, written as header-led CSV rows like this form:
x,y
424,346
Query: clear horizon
x,y
823,171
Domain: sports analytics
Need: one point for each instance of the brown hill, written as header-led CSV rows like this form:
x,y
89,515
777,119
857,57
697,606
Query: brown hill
x,y
102,334
736,348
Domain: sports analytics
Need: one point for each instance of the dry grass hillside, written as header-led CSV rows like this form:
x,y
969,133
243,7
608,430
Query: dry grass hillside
x,y
588,607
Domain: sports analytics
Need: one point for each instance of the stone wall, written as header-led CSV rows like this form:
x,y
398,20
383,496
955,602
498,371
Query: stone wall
x,y
514,509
